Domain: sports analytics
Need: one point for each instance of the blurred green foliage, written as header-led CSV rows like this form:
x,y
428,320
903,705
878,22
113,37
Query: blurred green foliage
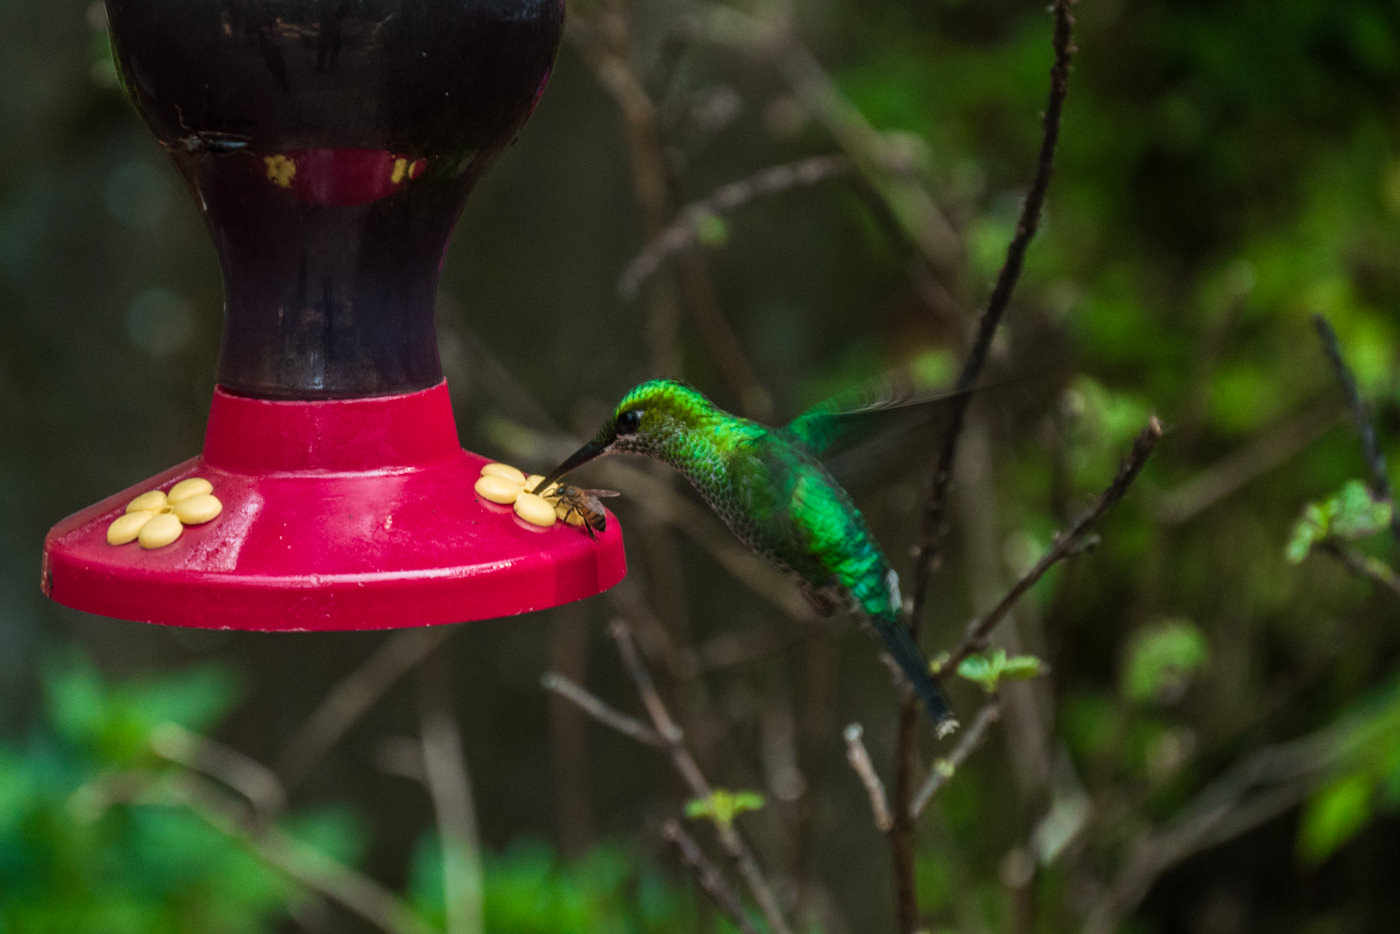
x,y
91,840
1162,659
87,842
1349,515
530,889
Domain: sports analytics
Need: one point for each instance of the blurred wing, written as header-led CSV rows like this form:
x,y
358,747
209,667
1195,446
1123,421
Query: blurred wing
x,y
861,411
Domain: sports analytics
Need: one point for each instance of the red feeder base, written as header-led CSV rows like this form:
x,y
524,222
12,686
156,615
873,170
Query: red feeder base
x,y
341,514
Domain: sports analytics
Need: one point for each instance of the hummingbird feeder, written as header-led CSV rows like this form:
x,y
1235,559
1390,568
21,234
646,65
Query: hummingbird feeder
x,y
330,147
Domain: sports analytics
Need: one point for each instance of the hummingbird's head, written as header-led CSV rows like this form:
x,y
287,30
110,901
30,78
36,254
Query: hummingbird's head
x,y
658,418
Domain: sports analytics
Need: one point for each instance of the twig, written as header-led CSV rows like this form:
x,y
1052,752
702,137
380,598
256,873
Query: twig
x,y
603,40
901,835
1362,566
355,694
307,865
1375,459
711,882
669,735
889,174
733,844
1255,790
1065,545
859,757
450,789
945,769
1264,453
686,230
243,774
997,304
599,710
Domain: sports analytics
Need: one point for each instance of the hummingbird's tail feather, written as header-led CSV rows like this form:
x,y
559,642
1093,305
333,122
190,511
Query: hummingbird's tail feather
x,y
900,644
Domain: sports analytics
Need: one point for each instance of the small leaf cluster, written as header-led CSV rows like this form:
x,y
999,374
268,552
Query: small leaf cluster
x,y
1350,514
1161,659
989,668
81,849
1364,783
722,806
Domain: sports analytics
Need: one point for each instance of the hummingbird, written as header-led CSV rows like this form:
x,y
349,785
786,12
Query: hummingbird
x,y
769,486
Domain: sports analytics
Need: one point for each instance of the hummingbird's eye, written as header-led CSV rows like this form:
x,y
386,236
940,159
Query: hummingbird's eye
x,y
629,422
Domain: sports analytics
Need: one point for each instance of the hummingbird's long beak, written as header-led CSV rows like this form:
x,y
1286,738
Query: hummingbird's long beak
x,y
577,459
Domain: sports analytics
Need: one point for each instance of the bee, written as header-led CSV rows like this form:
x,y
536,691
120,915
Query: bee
x,y
210,141
195,142
580,507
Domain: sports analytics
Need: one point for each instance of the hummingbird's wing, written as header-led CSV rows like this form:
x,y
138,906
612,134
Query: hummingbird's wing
x,y
856,412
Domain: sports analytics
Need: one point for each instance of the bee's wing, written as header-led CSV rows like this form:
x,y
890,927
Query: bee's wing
x,y
602,494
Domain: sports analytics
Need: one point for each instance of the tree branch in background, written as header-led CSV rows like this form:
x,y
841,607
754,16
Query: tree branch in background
x,y
901,200
1026,227
356,693
243,774
1254,790
730,840
859,757
599,710
1375,460
1065,545
450,789
688,229
901,835
671,737
711,882
602,36
1258,456
944,769
300,862
1362,566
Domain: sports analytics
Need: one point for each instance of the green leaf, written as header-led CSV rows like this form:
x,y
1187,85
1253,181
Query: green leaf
x,y
113,723
1349,514
1356,514
1022,668
723,806
1161,660
1335,815
989,668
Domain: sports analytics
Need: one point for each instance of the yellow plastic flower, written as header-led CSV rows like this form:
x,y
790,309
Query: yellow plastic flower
x,y
156,519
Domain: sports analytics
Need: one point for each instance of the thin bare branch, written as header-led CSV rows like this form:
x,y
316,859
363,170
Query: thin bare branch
x,y
600,710
603,38
299,861
901,835
356,693
878,157
731,841
688,228
859,757
1269,451
450,789
997,304
1375,459
1363,566
1252,791
711,882
1065,545
243,774
944,769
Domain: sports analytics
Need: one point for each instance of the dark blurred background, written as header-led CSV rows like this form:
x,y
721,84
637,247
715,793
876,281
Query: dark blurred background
x,y
1216,744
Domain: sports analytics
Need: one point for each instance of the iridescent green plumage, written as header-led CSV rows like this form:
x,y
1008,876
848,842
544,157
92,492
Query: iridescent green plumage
x,y
771,490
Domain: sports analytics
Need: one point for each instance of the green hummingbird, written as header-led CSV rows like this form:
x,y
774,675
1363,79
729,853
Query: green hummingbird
x,y
770,488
